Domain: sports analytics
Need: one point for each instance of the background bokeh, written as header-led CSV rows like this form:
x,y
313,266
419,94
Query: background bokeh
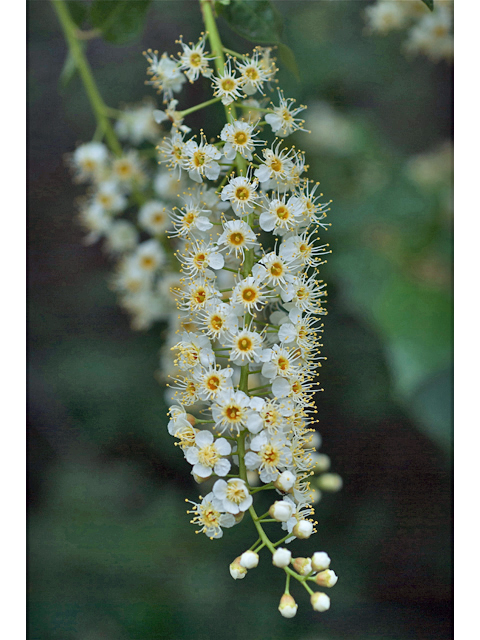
x,y
112,555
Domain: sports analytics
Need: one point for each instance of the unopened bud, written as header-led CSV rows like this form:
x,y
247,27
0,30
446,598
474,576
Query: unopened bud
x,y
287,607
327,578
281,558
239,516
330,482
236,570
303,566
192,420
320,601
320,561
253,478
281,510
303,529
249,559
285,481
198,479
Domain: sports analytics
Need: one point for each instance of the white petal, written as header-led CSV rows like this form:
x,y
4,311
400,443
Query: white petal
x,y
220,489
222,467
216,261
203,438
262,173
202,471
223,446
280,387
267,221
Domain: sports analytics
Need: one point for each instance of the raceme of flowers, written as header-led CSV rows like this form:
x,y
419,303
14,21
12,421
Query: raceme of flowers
x,y
223,243
428,32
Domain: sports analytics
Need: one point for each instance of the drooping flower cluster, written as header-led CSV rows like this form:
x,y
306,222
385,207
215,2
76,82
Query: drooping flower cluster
x,y
223,243
429,32
245,230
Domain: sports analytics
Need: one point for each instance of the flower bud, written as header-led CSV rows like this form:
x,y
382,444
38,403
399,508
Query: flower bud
x,y
285,481
303,566
320,601
192,420
287,607
320,561
198,479
327,578
281,558
330,482
249,559
322,462
236,570
253,478
303,529
281,510
239,516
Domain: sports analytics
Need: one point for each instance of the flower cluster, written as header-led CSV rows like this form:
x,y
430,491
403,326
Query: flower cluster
x,y
223,243
429,32
245,230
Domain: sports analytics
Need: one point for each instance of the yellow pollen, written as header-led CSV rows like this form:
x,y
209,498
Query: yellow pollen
x,y
105,200
188,218
213,382
228,84
276,269
200,296
240,138
216,323
195,59
270,455
251,73
147,262
276,164
235,493
232,413
242,193
237,238
283,363
249,294
282,212
245,344
158,217
208,455
199,158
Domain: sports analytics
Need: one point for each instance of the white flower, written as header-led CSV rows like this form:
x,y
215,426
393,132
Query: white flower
x,y
172,115
194,351
166,75
90,160
385,16
212,381
198,256
278,361
189,219
217,319
127,168
282,119
200,160
194,61
210,517
137,124
236,570
267,454
237,236
206,455
245,346
241,192
95,219
249,296
254,73
285,481
282,214
238,136
282,557
110,196
232,411
153,217
227,85
278,165
121,236
172,149
233,494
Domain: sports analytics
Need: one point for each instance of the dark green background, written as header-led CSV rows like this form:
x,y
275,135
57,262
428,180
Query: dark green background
x,y
112,555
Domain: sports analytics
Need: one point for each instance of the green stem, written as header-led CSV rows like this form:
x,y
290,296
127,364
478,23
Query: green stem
x,y
96,100
197,107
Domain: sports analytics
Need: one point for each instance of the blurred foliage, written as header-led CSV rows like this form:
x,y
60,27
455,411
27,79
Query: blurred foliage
x,y
112,554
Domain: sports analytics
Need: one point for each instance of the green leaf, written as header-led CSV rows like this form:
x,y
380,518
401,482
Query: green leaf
x,y
288,58
258,21
254,20
119,20
429,4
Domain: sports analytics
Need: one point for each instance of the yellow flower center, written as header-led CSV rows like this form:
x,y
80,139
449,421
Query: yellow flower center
x,y
213,382
270,455
233,413
147,262
240,138
236,493
283,363
199,158
208,455
242,193
244,344
195,59
276,269
249,294
227,84
276,164
216,322
237,238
